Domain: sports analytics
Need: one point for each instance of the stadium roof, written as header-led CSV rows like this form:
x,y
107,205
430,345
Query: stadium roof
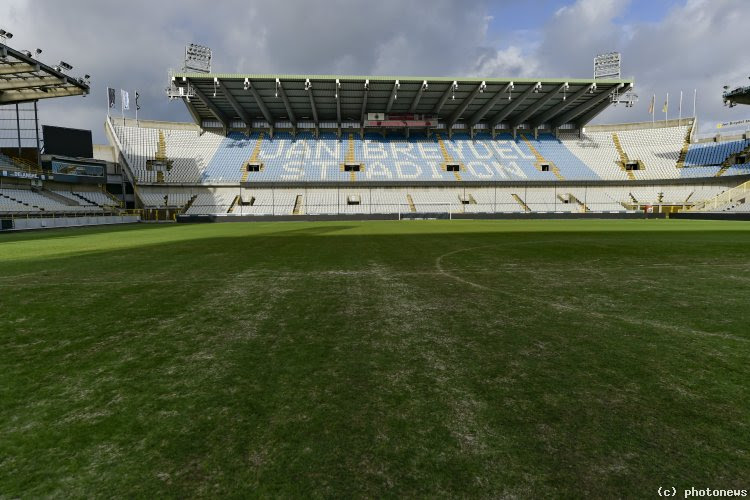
x,y
23,78
274,100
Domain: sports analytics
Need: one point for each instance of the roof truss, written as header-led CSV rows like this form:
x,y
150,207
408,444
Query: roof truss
x,y
331,101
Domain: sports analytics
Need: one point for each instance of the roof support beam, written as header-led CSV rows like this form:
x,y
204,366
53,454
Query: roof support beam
x,y
591,114
236,105
30,82
9,69
313,107
448,92
193,112
337,96
219,114
415,101
287,104
262,105
465,104
365,93
594,111
536,106
507,110
555,110
582,108
489,105
396,86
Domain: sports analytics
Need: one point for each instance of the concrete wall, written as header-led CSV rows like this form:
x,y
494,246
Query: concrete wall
x,y
45,223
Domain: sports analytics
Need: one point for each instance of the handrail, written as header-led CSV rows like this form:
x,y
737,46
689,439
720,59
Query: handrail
x,y
723,199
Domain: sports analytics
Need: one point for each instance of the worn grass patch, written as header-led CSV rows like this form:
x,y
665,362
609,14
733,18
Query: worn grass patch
x,y
425,358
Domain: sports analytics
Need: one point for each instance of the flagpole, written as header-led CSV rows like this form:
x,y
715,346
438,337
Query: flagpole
x,y
653,110
666,109
136,109
679,120
122,107
107,96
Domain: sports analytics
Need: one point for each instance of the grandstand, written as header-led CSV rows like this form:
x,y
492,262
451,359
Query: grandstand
x,y
344,145
45,190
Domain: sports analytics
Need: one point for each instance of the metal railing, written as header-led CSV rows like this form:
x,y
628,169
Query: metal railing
x,y
727,197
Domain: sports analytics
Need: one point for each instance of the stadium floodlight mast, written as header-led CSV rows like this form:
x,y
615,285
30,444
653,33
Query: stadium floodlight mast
x,y
63,66
197,59
609,66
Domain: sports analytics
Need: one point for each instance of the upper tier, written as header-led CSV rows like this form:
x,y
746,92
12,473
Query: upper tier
x,y
208,158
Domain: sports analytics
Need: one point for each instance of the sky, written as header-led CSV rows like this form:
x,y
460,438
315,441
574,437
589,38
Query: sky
x,y
668,46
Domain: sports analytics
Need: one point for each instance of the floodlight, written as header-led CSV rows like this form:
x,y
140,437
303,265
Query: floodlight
x,y
308,85
482,87
6,35
65,66
38,51
367,85
246,85
27,52
424,85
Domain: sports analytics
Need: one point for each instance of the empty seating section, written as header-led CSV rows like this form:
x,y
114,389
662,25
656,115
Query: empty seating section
x,y
89,198
187,151
7,163
28,201
208,158
713,153
392,200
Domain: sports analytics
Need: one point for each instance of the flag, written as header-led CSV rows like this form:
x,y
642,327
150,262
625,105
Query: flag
x,y
651,106
125,99
137,104
111,97
666,105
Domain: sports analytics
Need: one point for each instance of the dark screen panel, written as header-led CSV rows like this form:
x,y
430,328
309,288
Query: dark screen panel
x,y
67,142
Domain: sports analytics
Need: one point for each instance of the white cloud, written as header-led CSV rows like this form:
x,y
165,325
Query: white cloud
x,y
700,44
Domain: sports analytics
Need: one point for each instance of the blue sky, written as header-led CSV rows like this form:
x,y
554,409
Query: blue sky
x,y
666,45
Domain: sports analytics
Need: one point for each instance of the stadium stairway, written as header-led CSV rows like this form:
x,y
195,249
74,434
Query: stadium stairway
x,y
297,205
623,157
350,158
253,157
234,203
521,202
189,203
574,199
410,200
684,151
541,160
448,158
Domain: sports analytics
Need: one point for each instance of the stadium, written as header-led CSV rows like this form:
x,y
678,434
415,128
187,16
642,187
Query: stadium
x,y
341,285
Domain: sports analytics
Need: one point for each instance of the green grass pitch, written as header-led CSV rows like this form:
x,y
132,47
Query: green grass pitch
x,y
339,359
